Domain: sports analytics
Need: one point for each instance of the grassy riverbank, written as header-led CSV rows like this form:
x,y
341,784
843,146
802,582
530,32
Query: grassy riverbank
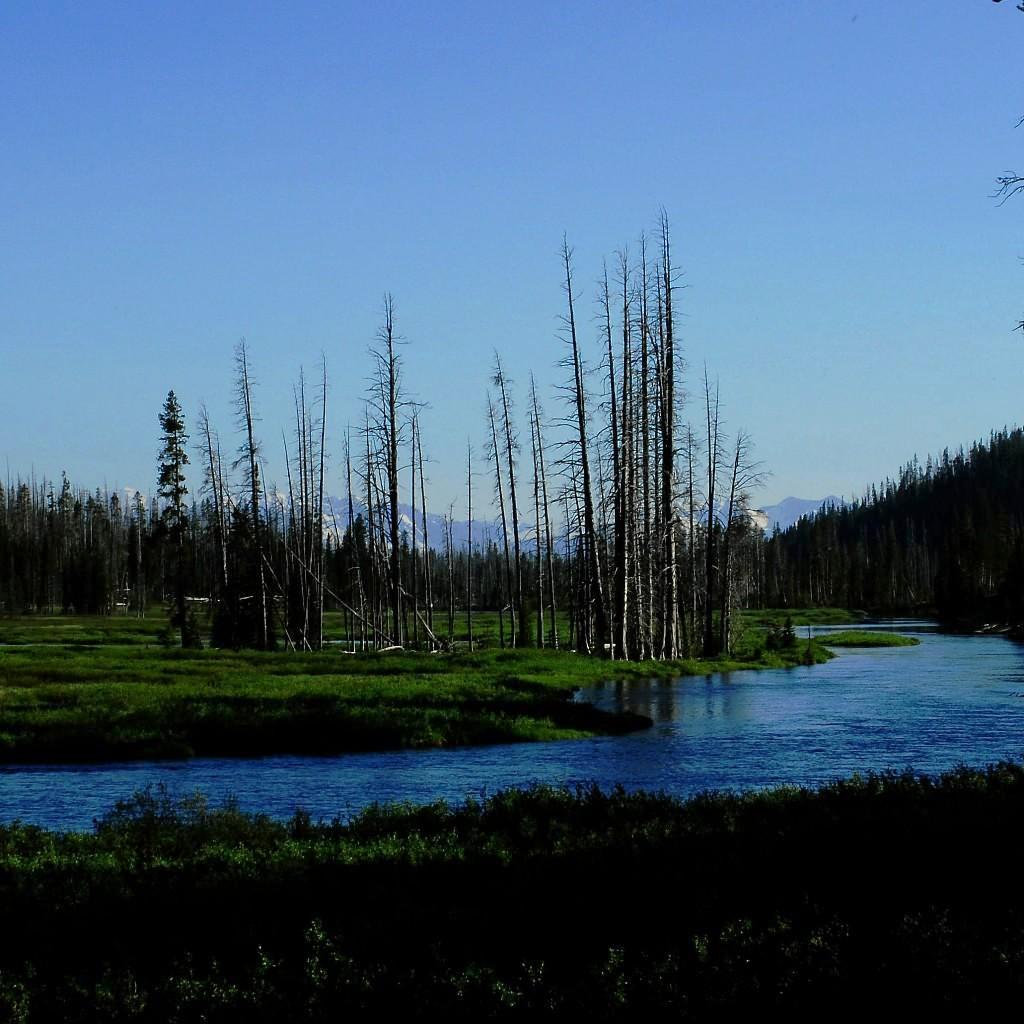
x,y
867,638
126,701
91,630
775,617
873,894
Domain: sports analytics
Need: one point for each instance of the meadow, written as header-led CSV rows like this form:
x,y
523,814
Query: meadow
x,y
867,638
103,688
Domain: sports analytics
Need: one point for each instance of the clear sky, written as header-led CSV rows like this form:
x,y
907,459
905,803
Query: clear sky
x,y
176,176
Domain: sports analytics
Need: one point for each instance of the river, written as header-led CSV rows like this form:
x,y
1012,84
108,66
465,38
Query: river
x,y
951,700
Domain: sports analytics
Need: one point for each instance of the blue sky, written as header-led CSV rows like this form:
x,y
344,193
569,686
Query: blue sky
x,y
174,177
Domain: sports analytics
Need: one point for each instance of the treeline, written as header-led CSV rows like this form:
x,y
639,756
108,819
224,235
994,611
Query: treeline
x,y
66,550
947,536
642,540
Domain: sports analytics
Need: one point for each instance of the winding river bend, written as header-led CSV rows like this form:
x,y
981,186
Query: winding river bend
x,y
951,700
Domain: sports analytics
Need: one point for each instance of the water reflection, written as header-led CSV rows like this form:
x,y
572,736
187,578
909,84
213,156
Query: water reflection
x,y
664,700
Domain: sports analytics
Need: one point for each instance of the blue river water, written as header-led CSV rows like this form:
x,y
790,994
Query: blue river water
x,y
951,700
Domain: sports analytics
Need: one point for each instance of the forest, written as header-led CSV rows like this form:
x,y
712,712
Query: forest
x,y
946,537
619,519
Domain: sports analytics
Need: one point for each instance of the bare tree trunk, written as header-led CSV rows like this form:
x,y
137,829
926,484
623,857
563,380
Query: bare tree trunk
x,y
415,575
469,556
428,586
291,548
140,581
709,552
745,474
250,455
450,541
579,397
504,522
520,636
668,402
691,544
549,556
572,580
211,450
647,572
320,557
536,534
618,580
355,551
390,365
372,535
623,491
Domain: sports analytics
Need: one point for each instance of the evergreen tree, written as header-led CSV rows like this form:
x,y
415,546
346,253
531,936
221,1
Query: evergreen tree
x,y
174,518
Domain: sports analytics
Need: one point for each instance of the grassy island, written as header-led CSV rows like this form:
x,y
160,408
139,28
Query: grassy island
x,y
540,904
867,638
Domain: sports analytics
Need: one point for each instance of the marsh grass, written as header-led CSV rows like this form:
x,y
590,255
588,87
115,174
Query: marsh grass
x,y
114,700
767,617
867,638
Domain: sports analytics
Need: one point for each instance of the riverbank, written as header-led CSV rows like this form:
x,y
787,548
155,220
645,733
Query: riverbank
x,y
111,702
541,903
867,638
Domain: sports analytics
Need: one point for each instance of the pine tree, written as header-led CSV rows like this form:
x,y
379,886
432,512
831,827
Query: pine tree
x,y
171,487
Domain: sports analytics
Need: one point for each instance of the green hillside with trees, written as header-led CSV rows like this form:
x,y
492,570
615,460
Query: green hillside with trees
x,y
946,537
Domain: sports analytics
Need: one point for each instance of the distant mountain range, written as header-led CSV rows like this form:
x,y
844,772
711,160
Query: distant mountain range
x,y
784,514
483,530
790,510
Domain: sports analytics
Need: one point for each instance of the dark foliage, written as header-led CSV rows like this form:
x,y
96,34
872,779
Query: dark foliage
x,y
948,536
875,895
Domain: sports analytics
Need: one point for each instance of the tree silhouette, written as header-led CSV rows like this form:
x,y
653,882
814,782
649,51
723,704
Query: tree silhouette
x,y
171,487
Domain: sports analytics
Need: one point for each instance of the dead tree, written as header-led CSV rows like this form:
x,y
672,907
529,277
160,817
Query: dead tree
x,y
388,400
414,581
469,556
549,552
578,399
745,474
624,469
501,382
248,459
428,586
499,490
320,553
668,409
538,574
710,543
618,579
647,562
210,448
691,543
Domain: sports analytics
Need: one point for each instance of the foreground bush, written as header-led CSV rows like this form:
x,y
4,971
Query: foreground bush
x,y
881,893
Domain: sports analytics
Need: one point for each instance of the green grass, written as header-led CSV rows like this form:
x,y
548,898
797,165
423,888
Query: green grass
x,y
486,628
82,629
871,898
765,617
95,688
120,698
867,638
75,704
59,704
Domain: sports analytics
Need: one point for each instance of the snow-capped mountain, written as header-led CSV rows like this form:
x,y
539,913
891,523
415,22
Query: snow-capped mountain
x,y
784,514
790,510
483,530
